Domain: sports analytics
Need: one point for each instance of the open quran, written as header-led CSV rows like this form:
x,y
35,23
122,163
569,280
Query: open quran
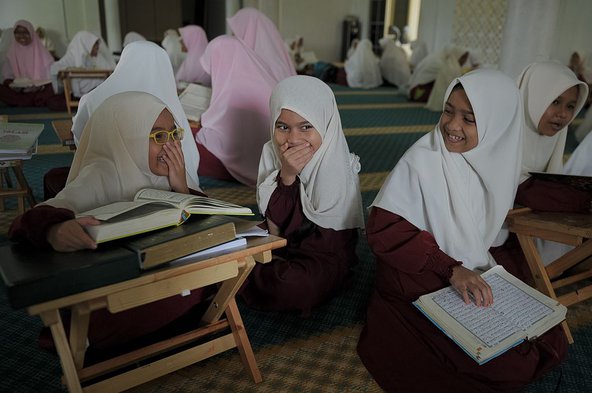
x,y
519,312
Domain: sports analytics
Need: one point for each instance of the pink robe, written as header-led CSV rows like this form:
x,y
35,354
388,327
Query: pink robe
x,y
404,351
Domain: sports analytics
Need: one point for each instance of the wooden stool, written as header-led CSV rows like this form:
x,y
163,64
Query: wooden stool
x,y
21,190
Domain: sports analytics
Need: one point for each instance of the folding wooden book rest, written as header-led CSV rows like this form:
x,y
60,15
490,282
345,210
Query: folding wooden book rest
x,y
66,77
567,228
229,271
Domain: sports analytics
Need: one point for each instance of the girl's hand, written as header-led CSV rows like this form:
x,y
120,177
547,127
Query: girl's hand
x,y
468,283
293,160
70,236
176,162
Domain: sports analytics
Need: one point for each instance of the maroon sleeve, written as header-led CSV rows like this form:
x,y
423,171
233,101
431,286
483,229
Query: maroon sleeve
x,y
553,197
283,202
397,242
32,226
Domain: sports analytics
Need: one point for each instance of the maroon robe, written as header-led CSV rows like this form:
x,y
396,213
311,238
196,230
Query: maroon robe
x,y
311,269
553,197
404,351
111,331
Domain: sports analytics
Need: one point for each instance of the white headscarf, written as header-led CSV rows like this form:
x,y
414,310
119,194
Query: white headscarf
x,y
111,163
394,66
78,56
462,199
540,84
363,67
132,36
144,66
172,44
329,184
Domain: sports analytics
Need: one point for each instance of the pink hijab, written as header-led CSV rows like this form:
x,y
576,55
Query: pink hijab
x,y
236,125
31,61
191,70
257,32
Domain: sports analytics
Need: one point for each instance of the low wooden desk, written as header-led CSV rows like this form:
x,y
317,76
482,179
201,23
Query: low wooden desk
x,y
68,74
568,228
229,271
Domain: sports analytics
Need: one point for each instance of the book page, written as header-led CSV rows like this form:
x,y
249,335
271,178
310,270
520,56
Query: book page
x,y
513,310
18,137
195,99
176,198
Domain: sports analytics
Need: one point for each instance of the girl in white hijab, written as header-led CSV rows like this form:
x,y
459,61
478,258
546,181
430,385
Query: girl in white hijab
x,y
363,67
432,225
115,159
309,191
172,44
86,50
548,111
143,66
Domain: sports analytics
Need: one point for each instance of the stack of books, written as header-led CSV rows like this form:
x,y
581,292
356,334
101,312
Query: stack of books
x,y
18,141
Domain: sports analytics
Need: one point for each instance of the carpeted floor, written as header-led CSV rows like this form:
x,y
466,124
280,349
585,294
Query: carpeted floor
x,y
316,354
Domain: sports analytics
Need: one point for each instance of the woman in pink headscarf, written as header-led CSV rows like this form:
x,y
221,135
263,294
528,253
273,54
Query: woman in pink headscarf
x,y
257,32
25,74
194,42
236,125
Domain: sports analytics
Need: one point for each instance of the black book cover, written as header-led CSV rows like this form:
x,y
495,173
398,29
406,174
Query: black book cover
x,y
35,276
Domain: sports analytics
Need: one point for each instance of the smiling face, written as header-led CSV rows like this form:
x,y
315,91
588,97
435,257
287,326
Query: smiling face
x,y
295,130
457,123
164,122
560,113
22,35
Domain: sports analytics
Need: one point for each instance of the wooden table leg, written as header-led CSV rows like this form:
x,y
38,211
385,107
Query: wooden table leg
x,y
539,273
242,340
54,321
227,291
78,332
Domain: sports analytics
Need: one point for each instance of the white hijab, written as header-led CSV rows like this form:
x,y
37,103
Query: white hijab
x,y
78,56
393,62
172,44
329,184
540,84
462,198
144,66
111,163
363,67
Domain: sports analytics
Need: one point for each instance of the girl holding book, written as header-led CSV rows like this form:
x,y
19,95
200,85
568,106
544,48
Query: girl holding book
x,y
431,226
130,142
308,190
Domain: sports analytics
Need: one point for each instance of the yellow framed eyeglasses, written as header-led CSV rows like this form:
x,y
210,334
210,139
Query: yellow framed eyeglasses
x,y
162,137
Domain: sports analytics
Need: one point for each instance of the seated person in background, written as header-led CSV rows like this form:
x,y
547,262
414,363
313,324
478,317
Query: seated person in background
x,y
172,44
394,65
300,58
132,36
309,192
419,50
258,33
119,154
362,68
431,226
352,48
234,128
552,96
87,51
145,67
46,41
194,43
25,71
442,64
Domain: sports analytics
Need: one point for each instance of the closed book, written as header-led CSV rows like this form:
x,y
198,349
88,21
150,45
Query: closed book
x,y
18,138
34,276
196,234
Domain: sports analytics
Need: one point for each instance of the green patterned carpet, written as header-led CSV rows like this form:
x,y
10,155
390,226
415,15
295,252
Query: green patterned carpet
x,y
294,354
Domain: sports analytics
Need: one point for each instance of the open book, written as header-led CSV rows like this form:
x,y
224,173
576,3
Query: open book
x,y
583,183
195,99
153,209
518,313
19,138
19,83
